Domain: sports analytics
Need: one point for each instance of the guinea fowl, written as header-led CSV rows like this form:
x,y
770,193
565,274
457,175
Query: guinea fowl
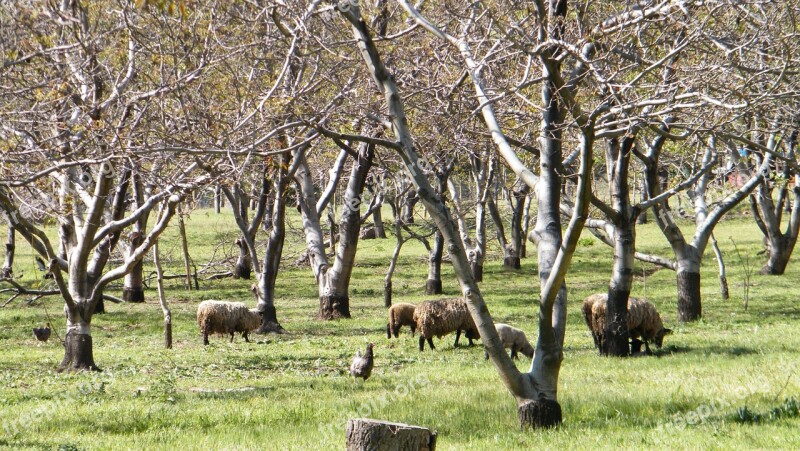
x,y
362,365
42,333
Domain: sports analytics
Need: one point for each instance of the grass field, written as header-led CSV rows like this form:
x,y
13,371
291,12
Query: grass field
x,y
292,391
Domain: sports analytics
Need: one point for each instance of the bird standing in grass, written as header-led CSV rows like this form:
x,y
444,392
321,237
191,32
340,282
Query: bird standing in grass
x,y
42,333
362,365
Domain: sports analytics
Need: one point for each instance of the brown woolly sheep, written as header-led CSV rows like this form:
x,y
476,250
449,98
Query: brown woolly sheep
x,y
441,317
220,317
400,315
514,339
643,321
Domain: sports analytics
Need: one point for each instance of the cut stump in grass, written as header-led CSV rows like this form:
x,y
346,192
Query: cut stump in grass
x,y
366,434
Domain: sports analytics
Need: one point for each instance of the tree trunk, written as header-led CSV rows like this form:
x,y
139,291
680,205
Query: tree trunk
x,y
265,291
517,211
78,355
8,267
689,307
185,248
334,301
408,207
377,221
434,283
217,199
133,288
162,299
243,266
723,280
779,251
526,222
544,413
365,434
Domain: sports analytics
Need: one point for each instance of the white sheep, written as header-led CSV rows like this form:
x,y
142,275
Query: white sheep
x,y
514,339
441,317
400,315
220,317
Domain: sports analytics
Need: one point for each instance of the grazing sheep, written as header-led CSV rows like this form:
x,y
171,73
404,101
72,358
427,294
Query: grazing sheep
x,y
400,315
220,317
441,317
514,339
643,321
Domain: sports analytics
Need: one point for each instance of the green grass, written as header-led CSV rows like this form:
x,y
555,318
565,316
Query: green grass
x,y
292,391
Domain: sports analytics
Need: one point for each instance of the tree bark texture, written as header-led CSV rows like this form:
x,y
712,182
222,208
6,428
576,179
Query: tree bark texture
x,y
8,266
434,283
368,435
78,355
689,307
243,266
133,288
539,414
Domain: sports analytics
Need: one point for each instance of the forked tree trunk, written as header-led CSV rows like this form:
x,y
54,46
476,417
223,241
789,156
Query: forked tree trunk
x,y
133,288
335,301
537,389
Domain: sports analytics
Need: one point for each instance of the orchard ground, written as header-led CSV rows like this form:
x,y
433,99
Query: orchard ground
x,y
292,391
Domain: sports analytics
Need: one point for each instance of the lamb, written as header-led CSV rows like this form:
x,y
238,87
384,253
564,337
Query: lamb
x,y
400,315
643,321
221,317
441,317
514,339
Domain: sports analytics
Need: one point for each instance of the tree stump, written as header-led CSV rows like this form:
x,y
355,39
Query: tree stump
x,y
365,434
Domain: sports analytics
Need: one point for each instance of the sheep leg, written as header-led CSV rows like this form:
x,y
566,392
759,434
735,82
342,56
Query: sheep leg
x,y
430,343
514,352
421,343
647,348
388,331
206,328
244,334
458,335
413,329
231,337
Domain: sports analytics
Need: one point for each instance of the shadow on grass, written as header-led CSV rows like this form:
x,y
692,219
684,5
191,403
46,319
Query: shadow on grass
x,y
232,393
734,351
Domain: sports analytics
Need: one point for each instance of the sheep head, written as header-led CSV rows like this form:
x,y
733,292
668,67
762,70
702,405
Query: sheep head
x,y
659,340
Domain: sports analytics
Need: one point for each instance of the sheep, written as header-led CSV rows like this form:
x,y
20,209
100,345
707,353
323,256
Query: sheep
x,y
400,315
441,317
221,317
643,321
514,339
